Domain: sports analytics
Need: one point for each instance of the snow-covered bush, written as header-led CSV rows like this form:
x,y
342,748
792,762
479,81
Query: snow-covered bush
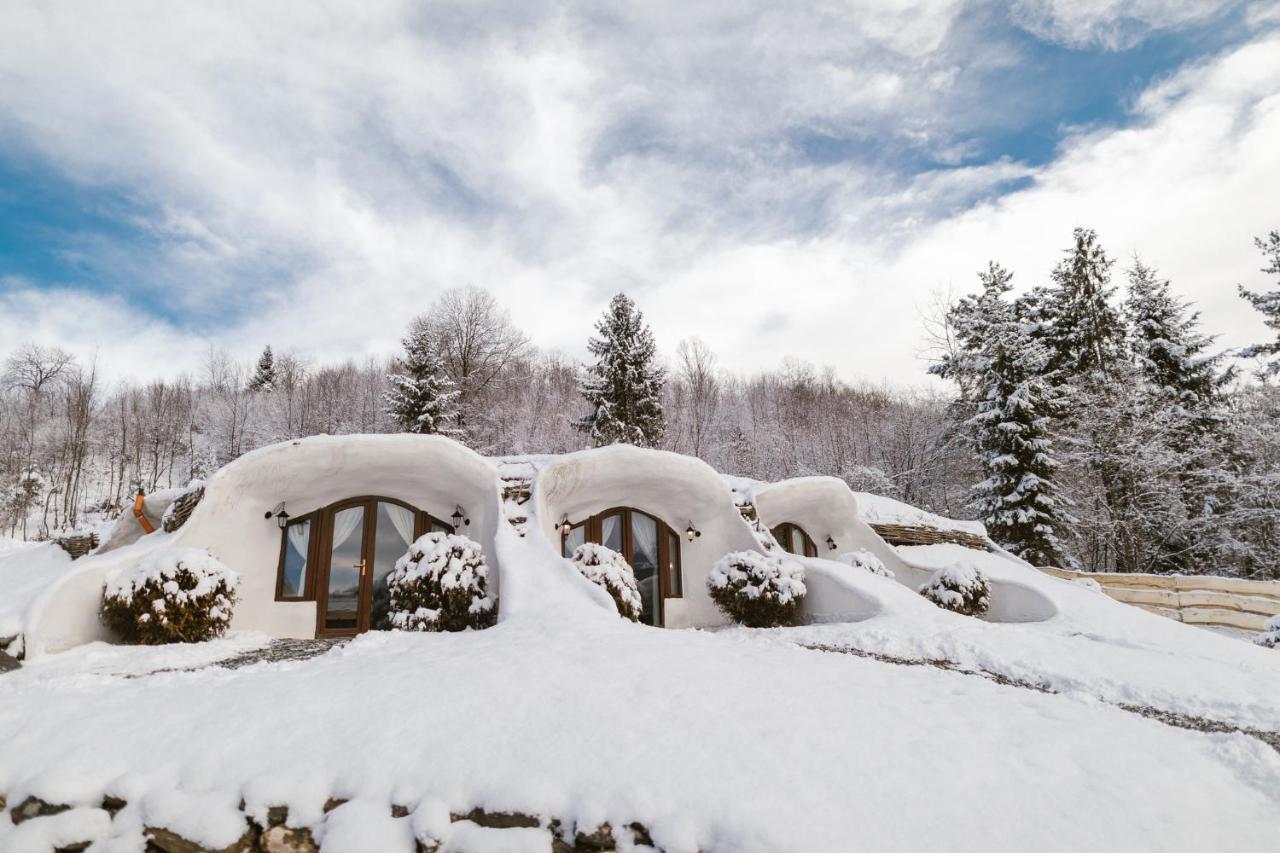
x,y
441,584
1270,636
607,568
867,561
960,588
173,595
757,590
1088,583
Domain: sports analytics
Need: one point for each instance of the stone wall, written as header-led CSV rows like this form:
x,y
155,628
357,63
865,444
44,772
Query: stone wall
x,y
273,834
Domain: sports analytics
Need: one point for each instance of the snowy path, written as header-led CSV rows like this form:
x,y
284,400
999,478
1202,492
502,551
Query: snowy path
x,y
731,741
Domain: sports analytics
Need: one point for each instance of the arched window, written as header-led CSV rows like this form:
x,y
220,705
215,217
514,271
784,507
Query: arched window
x,y
650,545
340,556
793,539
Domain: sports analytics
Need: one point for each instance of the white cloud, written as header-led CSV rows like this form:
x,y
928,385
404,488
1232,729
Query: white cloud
x,y
1111,24
330,173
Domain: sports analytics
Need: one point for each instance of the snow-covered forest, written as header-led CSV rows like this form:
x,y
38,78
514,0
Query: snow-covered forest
x,y
1090,420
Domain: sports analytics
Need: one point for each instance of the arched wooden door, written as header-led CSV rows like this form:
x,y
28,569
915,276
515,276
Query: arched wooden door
x,y
793,539
354,545
648,544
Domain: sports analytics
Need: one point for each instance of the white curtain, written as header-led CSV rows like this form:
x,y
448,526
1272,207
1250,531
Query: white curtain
x,y
401,519
345,523
298,535
644,541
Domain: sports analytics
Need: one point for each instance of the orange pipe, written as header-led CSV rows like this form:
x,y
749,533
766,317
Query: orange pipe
x,y
147,526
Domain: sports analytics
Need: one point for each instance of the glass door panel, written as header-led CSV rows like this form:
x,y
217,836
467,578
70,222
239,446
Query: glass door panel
x,y
611,532
346,564
676,582
575,537
644,560
392,536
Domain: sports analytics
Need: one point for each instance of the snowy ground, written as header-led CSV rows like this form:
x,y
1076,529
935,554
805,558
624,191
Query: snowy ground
x,y
734,740
26,569
720,742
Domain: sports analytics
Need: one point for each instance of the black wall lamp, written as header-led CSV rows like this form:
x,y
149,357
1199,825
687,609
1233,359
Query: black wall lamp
x,y
459,518
831,543
565,526
692,532
282,517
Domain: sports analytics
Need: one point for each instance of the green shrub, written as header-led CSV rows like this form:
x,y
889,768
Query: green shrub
x,y
757,590
173,595
607,568
441,585
960,588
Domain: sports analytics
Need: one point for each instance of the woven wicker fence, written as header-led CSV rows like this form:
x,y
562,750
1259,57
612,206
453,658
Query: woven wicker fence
x,y
1194,599
904,534
79,545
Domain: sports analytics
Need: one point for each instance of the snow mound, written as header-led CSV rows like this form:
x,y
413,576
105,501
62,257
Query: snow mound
x,y
866,561
607,568
441,584
877,509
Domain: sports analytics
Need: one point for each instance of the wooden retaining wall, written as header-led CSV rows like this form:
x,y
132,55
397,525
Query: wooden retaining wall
x,y
1194,599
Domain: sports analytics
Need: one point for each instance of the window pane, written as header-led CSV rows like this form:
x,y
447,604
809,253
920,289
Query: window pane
x,y
644,560
577,535
440,527
673,564
342,610
297,538
611,532
393,534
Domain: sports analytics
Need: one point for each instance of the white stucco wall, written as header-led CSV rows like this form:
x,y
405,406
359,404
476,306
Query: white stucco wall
x,y
431,473
677,489
822,506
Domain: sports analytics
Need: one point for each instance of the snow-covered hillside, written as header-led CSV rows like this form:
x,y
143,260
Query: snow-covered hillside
x,y
886,723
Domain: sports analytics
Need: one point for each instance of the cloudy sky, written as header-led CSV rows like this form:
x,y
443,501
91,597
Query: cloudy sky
x,y
778,179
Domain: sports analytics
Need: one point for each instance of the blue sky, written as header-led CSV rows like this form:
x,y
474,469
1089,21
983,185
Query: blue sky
x,y
314,174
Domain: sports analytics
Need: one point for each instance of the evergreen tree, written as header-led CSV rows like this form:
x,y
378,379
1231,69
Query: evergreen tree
x,y
1170,351
422,398
264,375
1018,501
970,320
1085,333
1269,304
624,386
1002,370
1176,441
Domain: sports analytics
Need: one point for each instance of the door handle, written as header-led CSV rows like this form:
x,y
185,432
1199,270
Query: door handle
x,y
362,566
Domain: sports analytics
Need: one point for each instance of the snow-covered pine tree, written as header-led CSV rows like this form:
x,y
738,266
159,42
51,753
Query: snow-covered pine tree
x,y
264,375
1018,500
1269,304
970,320
624,386
1085,333
422,397
1170,351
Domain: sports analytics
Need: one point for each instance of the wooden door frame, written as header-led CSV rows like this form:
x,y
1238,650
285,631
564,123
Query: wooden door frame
x,y
423,522
593,526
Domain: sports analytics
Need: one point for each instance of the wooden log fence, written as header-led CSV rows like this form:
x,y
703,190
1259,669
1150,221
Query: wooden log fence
x,y
1195,599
